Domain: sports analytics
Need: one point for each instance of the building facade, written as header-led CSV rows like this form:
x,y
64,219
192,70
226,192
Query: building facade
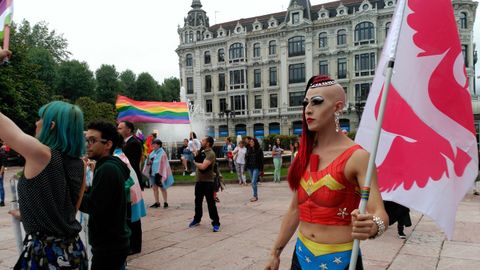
x,y
249,75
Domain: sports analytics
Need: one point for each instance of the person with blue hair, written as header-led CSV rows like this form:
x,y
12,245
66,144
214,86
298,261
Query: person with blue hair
x,y
51,187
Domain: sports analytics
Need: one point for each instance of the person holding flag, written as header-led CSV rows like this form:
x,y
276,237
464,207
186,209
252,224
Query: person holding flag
x,y
325,178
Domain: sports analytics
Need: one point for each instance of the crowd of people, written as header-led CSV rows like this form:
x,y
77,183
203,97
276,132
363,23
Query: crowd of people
x,y
100,173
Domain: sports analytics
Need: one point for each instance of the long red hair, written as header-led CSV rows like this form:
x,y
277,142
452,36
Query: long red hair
x,y
300,162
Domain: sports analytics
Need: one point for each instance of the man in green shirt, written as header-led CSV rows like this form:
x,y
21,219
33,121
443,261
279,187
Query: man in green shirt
x,y
204,186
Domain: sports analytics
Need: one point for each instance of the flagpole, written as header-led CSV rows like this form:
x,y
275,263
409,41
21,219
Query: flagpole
x,y
371,162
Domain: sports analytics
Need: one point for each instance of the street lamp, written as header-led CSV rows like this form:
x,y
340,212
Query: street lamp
x,y
359,106
227,113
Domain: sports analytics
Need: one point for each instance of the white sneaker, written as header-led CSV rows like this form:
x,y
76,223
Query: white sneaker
x,y
192,174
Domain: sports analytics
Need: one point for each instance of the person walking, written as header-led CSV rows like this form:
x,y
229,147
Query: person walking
x,y
204,185
51,187
228,153
194,146
254,165
159,173
239,158
106,200
277,152
186,156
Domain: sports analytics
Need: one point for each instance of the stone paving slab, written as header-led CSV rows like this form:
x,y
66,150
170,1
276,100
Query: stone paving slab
x,y
249,230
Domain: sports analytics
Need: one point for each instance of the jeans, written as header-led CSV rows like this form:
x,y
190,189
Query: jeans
x,y
277,163
240,171
254,175
205,189
2,190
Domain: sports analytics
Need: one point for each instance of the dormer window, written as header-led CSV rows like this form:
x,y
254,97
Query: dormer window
x,y
323,15
389,3
295,17
365,6
341,12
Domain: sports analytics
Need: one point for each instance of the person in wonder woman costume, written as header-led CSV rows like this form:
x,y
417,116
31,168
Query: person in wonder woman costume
x,y
326,179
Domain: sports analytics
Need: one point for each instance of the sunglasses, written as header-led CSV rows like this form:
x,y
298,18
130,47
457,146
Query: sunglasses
x,y
316,100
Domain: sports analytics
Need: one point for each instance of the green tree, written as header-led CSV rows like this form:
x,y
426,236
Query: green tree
x,y
89,108
107,112
21,94
146,88
128,83
108,85
39,36
45,66
74,80
170,89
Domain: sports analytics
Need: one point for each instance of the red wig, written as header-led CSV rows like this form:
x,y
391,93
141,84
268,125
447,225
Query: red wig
x,y
299,164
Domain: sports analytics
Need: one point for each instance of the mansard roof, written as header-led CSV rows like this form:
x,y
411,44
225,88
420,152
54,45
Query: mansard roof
x,y
280,16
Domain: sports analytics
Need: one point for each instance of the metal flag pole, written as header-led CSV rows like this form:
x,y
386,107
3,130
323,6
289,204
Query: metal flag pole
x,y
395,34
17,229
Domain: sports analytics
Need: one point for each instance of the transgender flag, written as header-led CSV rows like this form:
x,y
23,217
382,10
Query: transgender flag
x,y
6,13
152,112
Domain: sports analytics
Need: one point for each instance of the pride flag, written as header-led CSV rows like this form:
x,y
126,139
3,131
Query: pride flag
x,y
6,12
152,112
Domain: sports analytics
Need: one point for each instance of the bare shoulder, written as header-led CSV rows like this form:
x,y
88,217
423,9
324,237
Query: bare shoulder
x,y
357,163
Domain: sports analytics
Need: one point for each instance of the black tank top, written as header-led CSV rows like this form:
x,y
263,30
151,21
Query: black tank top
x,y
45,200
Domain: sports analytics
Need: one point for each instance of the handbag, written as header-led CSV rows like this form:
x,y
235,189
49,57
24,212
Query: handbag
x,y
158,180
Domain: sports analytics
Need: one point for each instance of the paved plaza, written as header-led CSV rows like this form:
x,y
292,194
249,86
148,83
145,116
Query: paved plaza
x,y
248,232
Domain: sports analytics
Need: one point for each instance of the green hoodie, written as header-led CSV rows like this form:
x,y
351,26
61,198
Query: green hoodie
x,y
106,203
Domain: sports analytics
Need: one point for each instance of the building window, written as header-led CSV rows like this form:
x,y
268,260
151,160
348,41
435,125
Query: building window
x,y
256,50
296,98
295,17
465,54
189,37
323,67
258,102
189,60
387,28
221,55
221,82
364,33
189,85
342,68
365,64
236,51
341,37
273,101
206,57
273,76
274,128
238,104
257,78
208,83
296,46
361,92
237,79
222,104
272,47
463,20
322,40
296,73
208,105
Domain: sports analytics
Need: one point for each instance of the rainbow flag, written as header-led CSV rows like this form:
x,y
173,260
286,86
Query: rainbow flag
x,y
152,111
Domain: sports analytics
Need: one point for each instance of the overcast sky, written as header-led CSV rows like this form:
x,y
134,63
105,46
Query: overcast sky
x,y
140,35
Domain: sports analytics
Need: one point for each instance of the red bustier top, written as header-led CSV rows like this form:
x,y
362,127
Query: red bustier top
x,y
326,196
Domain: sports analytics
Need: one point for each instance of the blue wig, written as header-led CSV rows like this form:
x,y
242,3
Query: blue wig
x,y
67,134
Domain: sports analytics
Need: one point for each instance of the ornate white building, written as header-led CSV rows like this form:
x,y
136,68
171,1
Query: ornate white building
x,y
249,75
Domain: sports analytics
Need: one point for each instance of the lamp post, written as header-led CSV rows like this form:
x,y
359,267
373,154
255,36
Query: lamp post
x,y
359,106
228,113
